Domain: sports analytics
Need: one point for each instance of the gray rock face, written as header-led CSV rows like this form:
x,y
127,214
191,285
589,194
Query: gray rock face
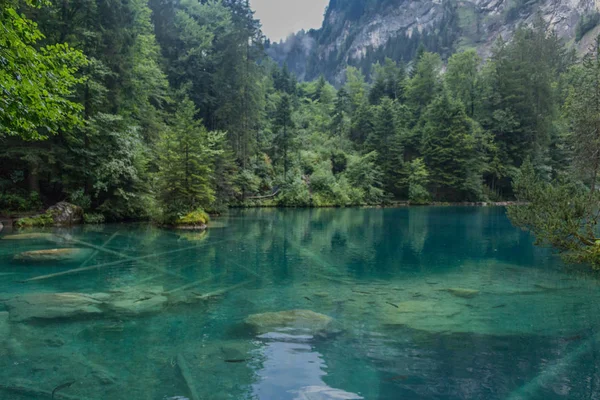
x,y
481,24
66,214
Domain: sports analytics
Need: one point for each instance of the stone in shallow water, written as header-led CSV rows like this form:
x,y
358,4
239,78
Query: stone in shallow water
x,y
52,255
461,292
138,301
295,320
52,305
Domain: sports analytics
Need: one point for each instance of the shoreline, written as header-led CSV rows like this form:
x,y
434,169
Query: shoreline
x,y
8,221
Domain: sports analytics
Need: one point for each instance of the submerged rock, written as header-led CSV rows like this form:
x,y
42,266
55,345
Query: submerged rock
x,y
52,306
140,301
461,292
74,305
294,320
52,255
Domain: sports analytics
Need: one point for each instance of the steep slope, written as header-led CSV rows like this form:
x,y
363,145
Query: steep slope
x,y
360,32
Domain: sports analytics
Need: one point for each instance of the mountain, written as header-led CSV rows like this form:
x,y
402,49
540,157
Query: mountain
x,y
360,32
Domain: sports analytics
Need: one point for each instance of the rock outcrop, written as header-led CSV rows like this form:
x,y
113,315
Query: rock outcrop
x,y
66,214
353,30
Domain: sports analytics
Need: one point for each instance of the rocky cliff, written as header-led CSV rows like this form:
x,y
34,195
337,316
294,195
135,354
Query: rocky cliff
x,y
360,32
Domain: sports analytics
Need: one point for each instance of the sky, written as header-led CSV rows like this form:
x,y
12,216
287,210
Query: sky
x,y
281,17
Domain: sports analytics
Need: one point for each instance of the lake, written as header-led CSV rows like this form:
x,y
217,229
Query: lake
x,y
409,303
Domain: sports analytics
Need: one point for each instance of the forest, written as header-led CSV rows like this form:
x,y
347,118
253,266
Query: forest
x,y
151,109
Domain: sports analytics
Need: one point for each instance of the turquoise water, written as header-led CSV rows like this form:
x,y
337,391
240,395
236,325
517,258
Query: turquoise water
x,y
418,303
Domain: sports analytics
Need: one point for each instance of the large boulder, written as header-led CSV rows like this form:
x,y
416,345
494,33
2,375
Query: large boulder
x,y
52,255
66,214
301,321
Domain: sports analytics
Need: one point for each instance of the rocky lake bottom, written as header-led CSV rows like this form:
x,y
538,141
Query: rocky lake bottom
x,y
414,303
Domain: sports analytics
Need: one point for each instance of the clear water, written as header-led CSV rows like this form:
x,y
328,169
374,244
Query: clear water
x,y
427,303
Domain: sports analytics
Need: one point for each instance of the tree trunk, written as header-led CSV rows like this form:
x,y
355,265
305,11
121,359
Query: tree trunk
x,y
33,178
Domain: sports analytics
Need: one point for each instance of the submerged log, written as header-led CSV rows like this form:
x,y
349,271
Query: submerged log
x,y
95,253
125,256
184,369
553,371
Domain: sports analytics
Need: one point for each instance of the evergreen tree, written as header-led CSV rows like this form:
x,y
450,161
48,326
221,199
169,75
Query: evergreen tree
x,y
384,140
448,148
462,79
186,154
283,126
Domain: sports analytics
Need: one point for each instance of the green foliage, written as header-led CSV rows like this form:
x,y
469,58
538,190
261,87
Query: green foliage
x,y
196,217
418,179
79,198
93,218
462,79
186,153
41,220
36,82
562,214
19,201
448,148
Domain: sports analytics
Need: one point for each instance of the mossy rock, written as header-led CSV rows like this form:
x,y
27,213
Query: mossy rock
x,y
60,214
196,220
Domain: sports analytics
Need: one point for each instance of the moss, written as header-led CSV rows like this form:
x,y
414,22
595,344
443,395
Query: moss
x,y
39,220
198,217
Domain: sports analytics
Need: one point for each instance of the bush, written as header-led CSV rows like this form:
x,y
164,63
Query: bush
x,y
79,198
294,193
93,218
37,221
197,217
20,201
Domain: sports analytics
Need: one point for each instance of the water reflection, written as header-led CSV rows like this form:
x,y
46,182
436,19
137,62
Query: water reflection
x,y
292,369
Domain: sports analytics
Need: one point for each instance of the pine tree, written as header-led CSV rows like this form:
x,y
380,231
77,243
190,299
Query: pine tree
x,y
448,148
283,126
186,153
384,140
